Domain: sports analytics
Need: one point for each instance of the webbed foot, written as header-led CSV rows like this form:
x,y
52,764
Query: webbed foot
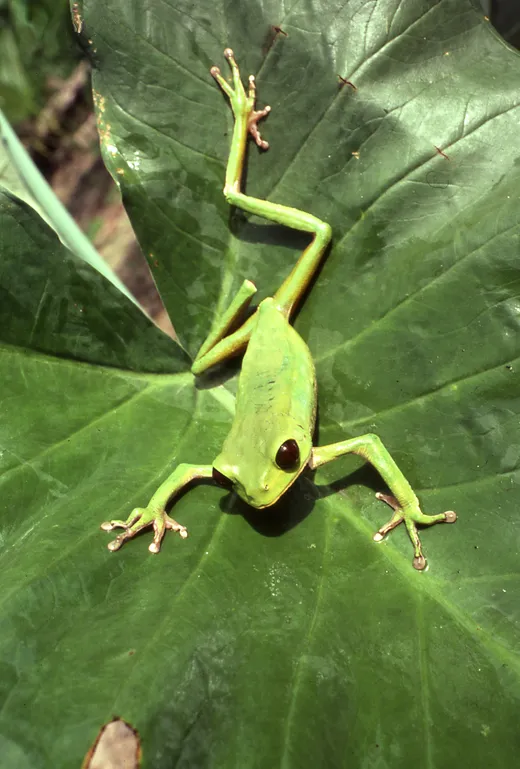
x,y
411,518
140,518
242,104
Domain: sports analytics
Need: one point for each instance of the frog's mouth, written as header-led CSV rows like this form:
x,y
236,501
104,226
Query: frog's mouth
x,y
256,501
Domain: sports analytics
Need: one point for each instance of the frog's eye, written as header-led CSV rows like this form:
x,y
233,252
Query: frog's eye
x,y
288,455
221,479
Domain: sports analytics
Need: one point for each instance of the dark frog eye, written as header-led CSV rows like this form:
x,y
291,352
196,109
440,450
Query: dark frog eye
x,y
221,479
288,455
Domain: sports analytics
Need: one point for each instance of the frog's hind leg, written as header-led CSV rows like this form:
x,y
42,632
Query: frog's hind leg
x,y
216,348
297,281
246,120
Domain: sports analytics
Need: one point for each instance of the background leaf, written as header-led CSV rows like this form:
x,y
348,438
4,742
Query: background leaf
x,y
36,41
20,177
279,637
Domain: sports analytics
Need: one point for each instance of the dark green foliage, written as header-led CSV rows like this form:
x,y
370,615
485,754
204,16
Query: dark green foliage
x,y
36,41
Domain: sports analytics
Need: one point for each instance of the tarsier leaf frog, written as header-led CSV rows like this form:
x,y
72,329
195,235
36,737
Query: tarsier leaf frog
x,y
270,441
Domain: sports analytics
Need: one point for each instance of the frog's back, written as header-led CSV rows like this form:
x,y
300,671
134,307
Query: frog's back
x,y
278,380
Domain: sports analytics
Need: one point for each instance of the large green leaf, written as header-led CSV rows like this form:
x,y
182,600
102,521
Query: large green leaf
x,y
284,637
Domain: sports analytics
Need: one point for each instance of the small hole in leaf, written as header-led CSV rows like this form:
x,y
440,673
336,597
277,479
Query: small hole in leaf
x,y
117,746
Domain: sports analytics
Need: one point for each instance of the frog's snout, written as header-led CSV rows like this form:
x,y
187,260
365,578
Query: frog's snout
x,y
257,495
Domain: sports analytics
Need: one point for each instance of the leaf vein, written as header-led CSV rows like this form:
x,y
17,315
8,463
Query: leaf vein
x,y
297,676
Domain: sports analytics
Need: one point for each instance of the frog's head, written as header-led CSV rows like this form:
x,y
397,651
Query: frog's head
x,y
263,469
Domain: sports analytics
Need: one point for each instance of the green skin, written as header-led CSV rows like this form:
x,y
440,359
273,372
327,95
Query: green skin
x,y
276,399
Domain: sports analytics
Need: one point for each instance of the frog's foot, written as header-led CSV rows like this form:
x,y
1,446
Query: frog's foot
x,y
411,518
256,115
243,105
140,518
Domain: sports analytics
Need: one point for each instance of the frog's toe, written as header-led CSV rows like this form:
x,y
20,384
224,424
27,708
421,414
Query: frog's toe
x,y
223,83
411,517
116,543
134,516
236,91
160,525
134,523
252,126
140,518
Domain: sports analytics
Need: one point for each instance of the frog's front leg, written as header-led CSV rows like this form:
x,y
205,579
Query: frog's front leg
x,y
155,513
404,502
